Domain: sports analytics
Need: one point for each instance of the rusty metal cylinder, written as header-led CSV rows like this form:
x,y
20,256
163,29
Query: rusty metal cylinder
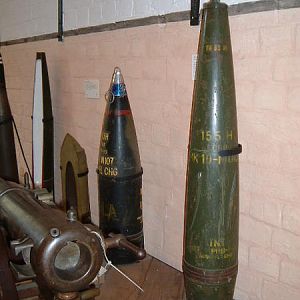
x,y
210,260
8,160
65,256
120,173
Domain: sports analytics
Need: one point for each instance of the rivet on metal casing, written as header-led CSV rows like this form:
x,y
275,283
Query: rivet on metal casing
x,y
54,232
71,215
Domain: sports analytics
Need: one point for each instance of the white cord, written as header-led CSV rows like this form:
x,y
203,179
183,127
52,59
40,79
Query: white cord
x,y
109,263
10,190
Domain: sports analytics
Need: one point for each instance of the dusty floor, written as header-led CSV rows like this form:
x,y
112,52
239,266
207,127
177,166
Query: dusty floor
x,y
159,281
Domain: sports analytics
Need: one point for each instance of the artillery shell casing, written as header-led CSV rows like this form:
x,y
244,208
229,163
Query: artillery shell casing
x,y
210,260
120,173
8,159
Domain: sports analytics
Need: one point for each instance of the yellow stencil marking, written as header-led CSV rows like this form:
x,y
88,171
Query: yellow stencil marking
x,y
207,135
229,135
107,160
216,48
108,171
111,212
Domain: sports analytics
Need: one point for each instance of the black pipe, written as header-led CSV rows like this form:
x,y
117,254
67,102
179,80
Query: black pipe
x,y
195,15
60,28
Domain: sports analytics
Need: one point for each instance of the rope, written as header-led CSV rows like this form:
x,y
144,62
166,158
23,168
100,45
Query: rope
x,y
110,264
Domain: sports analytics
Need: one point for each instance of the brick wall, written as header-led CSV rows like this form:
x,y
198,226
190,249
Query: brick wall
x,y
156,63
267,66
25,18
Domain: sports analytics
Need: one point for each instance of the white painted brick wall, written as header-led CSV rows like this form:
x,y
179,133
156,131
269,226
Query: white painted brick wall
x,y
269,253
25,18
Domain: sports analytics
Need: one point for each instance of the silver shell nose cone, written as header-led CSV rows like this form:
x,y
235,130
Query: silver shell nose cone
x,y
117,76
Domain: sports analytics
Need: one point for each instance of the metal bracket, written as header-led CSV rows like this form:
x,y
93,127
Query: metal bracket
x,y
42,195
22,272
195,16
22,246
60,29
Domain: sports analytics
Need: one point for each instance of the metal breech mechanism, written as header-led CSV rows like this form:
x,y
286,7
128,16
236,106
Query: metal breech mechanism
x,y
61,254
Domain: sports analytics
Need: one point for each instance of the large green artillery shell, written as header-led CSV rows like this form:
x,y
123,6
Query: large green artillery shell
x,y
74,178
8,160
210,259
42,127
120,173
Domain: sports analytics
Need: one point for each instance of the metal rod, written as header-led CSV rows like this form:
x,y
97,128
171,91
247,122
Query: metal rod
x,y
60,29
195,16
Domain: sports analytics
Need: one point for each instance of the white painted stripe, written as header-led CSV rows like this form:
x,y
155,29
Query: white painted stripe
x,y
37,126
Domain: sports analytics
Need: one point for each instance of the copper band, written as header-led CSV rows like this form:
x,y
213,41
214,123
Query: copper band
x,y
204,276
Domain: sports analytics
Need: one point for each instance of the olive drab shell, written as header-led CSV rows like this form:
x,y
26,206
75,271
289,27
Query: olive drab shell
x,y
212,187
